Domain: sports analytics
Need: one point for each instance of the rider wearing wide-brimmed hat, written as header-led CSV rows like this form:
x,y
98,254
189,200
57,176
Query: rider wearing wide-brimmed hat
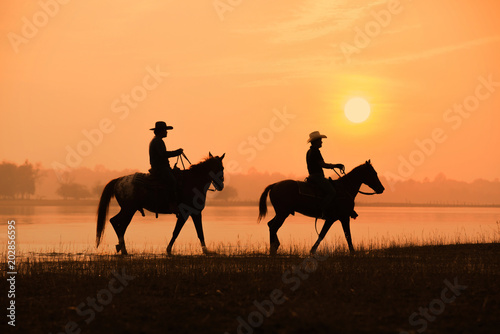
x,y
315,165
158,157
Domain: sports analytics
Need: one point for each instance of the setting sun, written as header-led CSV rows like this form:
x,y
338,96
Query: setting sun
x,y
357,110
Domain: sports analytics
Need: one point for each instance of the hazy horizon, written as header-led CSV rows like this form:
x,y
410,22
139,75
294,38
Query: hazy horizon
x,y
248,186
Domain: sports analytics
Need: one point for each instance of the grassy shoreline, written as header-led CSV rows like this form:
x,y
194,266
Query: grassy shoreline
x,y
373,291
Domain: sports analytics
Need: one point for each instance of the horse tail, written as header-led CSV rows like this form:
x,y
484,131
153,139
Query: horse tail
x,y
102,210
263,202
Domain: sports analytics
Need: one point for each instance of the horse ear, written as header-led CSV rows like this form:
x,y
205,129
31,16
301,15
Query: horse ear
x,y
223,156
210,155
368,162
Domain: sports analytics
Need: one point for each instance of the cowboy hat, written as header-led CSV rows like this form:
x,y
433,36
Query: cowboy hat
x,y
315,136
161,126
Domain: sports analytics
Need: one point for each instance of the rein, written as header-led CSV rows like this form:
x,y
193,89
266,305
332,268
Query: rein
x,y
365,193
179,157
183,155
359,191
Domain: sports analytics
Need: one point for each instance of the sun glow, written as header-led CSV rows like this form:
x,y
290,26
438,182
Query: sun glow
x,y
357,110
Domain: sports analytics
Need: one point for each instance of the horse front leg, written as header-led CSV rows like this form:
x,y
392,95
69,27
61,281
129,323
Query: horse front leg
x,y
181,220
346,226
322,234
199,231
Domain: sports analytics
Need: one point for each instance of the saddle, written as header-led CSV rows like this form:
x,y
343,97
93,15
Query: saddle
x,y
149,181
164,197
153,182
308,188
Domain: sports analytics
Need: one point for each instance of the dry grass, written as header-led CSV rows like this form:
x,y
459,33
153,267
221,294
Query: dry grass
x,y
374,291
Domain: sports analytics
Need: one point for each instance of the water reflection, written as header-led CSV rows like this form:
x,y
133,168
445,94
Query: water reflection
x,y
234,230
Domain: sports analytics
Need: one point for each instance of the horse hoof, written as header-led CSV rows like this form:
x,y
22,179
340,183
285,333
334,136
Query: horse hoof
x,y
273,251
207,252
118,248
313,251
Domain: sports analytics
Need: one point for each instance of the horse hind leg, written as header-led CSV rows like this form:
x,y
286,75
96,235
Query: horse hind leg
x,y
274,225
118,226
273,237
120,223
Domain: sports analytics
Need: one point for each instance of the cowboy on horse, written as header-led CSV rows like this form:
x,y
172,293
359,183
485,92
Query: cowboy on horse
x,y
163,191
315,165
158,158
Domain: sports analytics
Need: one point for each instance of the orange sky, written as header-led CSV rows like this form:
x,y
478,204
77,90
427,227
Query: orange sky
x,y
253,80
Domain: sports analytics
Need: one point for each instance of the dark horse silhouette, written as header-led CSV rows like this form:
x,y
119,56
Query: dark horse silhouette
x,y
133,195
287,199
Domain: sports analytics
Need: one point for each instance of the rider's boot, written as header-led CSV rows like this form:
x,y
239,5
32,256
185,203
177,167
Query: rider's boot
x,y
328,207
173,202
327,210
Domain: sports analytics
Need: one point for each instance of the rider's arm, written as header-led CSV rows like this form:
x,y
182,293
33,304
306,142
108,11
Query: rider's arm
x,y
171,154
158,146
316,155
331,166
323,164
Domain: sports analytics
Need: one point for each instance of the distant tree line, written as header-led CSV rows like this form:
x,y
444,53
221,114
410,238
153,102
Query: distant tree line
x,y
73,190
18,181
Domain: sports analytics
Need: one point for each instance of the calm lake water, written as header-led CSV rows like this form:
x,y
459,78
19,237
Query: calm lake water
x,y
229,230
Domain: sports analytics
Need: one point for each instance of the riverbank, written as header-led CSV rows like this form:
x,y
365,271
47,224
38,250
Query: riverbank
x,y
438,289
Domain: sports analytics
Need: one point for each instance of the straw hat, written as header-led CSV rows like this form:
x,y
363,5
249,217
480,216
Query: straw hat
x,y
315,136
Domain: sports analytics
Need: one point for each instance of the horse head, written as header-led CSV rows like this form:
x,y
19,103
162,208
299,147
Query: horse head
x,y
370,177
216,170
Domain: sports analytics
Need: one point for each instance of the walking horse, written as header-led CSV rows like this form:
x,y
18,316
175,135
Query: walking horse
x,y
135,193
287,199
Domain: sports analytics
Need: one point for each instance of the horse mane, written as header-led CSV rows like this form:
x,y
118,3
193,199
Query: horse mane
x,y
355,170
202,165
360,167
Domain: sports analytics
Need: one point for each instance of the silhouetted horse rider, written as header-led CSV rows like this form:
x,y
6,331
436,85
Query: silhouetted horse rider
x,y
158,158
315,165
